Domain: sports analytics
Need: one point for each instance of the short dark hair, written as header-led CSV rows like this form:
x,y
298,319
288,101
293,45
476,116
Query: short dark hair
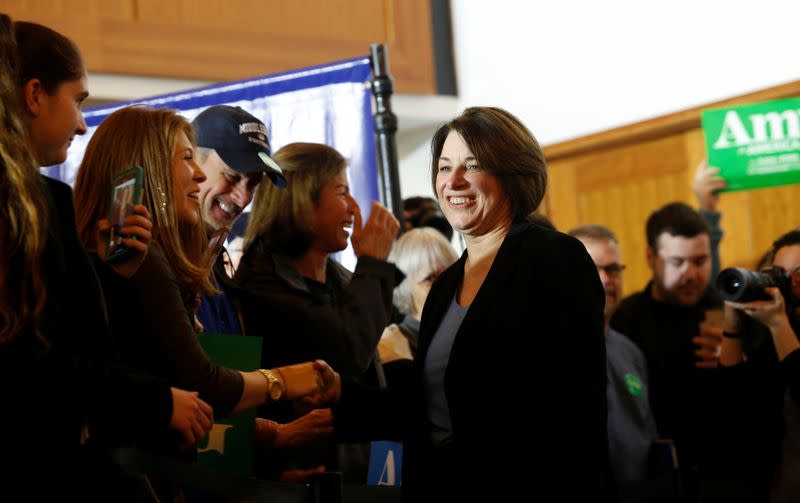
x,y
503,147
791,238
419,202
46,55
676,219
593,231
425,212
436,220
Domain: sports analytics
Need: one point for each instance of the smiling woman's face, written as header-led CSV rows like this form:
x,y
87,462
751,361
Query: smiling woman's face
x,y
186,177
57,121
333,212
471,198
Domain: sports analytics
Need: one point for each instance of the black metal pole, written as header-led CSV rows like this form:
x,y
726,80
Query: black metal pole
x,y
385,131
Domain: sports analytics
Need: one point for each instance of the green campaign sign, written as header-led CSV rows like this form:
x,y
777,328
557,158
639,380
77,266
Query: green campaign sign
x,y
755,145
229,445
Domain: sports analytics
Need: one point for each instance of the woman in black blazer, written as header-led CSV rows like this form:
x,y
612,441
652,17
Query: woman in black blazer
x,y
515,325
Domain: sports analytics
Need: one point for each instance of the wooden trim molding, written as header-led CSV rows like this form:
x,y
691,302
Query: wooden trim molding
x,y
219,40
678,122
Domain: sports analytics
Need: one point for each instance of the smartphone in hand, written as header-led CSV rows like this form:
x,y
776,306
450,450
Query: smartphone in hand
x,y
126,191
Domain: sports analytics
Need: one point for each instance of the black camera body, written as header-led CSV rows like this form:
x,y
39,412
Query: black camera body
x,y
737,284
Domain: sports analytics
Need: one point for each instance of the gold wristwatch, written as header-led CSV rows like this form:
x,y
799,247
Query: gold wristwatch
x,y
274,387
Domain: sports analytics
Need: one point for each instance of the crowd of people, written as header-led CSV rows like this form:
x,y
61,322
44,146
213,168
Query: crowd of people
x,y
96,354
515,368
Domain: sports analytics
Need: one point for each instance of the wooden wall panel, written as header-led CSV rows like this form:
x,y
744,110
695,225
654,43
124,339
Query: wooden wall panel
x,y
228,40
618,177
560,203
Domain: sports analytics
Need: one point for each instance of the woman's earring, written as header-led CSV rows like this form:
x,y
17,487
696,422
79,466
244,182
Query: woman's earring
x,y
162,199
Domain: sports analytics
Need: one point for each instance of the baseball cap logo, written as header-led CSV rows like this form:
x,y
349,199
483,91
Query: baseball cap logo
x,y
264,144
252,127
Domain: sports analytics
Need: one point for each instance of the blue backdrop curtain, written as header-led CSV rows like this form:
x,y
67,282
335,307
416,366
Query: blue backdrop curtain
x,y
328,104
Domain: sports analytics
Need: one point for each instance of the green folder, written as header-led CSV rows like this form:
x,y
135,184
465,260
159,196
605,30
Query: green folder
x,y
229,446
756,145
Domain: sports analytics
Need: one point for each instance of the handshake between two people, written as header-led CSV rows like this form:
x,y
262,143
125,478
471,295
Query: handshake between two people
x,y
313,384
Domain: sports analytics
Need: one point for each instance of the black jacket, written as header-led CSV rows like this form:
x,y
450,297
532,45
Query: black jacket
x,y
532,340
300,320
340,321
49,394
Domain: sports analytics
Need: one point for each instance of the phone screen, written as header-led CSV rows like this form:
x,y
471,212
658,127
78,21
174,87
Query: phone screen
x,y
125,193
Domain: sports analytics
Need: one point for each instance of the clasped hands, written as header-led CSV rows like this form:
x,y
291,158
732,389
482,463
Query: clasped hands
x,y
314,382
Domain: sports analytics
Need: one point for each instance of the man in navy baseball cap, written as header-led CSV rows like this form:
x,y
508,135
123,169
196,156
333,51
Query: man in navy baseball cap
x,y
234,153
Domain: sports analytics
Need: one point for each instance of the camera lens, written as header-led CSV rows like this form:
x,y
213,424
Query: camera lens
x,y
742,285
730,282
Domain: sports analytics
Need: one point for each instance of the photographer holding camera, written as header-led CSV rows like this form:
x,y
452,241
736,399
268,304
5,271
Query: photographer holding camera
x,y
760,349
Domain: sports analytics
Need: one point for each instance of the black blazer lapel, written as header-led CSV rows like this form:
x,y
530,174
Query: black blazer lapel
x,y
446,286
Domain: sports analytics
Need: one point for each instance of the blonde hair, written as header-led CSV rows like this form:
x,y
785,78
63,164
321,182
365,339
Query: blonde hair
x,y
283,219
145,137
23,208
418,253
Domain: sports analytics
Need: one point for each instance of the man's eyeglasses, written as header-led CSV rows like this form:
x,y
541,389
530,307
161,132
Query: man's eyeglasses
x,y
613,270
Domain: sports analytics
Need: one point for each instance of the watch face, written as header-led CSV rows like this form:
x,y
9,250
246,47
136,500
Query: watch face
x,y
275,391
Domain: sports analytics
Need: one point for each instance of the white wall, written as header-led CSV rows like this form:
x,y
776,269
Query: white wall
x,y
569,68
415,160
